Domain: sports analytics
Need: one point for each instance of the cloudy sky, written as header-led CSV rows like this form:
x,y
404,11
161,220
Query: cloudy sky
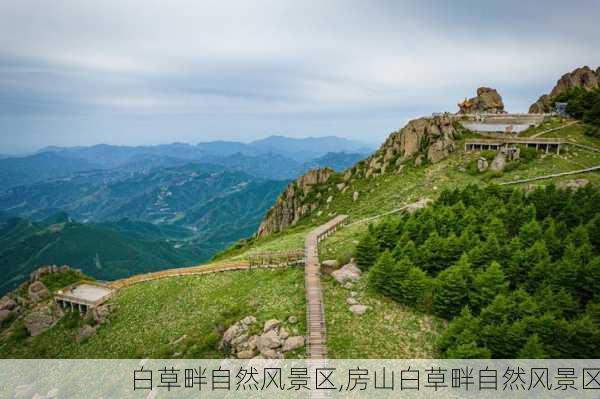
x,y
146,72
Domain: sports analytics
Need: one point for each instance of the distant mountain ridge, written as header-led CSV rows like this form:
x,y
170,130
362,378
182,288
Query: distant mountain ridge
x,y
298,149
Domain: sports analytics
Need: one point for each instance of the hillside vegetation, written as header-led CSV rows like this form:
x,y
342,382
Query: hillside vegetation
x,y
517,274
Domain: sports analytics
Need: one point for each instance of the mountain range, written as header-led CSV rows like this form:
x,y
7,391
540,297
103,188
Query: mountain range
x,y
191,201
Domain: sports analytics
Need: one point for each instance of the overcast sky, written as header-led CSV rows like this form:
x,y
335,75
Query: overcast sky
x,y
147,72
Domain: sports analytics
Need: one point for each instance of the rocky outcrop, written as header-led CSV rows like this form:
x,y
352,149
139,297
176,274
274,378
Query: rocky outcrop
x,y
42,318
38,292
584,77
487,101
431,137
271,344
292,205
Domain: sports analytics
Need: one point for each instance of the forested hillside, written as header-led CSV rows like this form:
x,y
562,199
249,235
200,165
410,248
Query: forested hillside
x,y
518,274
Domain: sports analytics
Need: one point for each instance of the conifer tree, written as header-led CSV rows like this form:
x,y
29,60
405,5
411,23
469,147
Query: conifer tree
x,y
486,285
533,349
452,289
367,250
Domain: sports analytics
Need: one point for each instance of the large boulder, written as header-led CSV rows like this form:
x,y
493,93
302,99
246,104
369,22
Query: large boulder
x,y
269,340
499,162
482,164
272,324
293,343
38,292
358,310
7,303
584,77
487,101
347,273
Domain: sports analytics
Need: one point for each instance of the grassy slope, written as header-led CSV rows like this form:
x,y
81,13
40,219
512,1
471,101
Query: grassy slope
x,y
150,316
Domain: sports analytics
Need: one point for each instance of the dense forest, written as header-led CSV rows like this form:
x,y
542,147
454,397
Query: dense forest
x,y
517,274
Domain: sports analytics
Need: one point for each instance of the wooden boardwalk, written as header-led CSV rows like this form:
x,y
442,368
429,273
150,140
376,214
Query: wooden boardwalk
x,y
316,344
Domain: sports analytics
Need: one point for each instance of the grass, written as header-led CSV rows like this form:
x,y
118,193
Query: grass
x,y
387,330
150,316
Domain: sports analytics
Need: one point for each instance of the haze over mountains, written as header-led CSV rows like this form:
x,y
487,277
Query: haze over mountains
x,y
180,203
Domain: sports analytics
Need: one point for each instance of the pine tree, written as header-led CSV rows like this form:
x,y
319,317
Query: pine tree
x,y
530,233
367,251
486,285
416,287
533,349
452,289
380,272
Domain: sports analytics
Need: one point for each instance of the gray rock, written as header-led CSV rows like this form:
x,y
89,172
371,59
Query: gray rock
x,y
420,204
247,354
101,313
355,196
358,310
573,184
283,333
271,325
293,343
38,291
233,332
269,340
499,162
348,285
239,340
7,303
292,320
5,314
349,272
329,263
419,160
482,164
271,354
249,320
351,301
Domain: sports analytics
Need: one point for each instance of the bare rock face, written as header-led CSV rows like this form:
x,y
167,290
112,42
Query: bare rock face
x,y
487,101
584,77
38,291
430,137
291,206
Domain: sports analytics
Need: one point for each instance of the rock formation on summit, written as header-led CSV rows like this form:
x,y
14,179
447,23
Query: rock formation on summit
x,y
293,204
487,101
584,77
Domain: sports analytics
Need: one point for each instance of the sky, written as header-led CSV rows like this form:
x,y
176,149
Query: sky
x,y
132,72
